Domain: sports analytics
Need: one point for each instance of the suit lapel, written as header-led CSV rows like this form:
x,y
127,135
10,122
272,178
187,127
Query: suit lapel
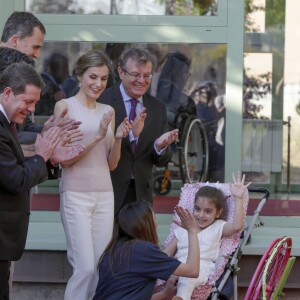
x,y
6,128
120,110
119,106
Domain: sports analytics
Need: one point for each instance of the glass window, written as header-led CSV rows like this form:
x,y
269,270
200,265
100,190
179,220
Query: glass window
x,y
189,78
257,112
255,16
258,86
264,136
126,7
292,91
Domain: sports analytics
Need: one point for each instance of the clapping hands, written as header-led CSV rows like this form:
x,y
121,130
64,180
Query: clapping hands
x,y
123,129
138,123
166,139
106,119
69,128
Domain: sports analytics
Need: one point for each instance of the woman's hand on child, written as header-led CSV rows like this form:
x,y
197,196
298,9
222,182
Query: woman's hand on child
x,y
238,187
171,288
188,221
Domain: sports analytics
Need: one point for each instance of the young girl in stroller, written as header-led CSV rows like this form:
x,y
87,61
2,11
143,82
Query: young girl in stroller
x,y
208,211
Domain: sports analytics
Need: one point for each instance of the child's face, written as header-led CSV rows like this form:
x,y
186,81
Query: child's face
x,y
205,212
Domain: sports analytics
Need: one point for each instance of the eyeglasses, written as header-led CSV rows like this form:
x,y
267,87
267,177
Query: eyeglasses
x,y
136,76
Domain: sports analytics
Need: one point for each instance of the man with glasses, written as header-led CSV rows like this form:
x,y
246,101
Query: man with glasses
x,y
148,142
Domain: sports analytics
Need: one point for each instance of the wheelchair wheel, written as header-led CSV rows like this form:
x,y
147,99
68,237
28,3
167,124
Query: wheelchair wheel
x,y
161,186
194,151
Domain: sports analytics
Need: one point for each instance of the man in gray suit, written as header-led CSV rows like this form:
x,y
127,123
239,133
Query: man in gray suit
x,y
147,144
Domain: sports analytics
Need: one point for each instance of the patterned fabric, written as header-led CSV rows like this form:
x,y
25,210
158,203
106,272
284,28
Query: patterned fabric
x,y
229,244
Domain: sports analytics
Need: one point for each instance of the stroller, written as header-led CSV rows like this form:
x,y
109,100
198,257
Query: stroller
x,y
223,283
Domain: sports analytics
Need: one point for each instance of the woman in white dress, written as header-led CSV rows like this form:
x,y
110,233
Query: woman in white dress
x,y
86,193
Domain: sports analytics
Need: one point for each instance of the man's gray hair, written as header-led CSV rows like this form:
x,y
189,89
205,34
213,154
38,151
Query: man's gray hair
x,y
22,24
18,75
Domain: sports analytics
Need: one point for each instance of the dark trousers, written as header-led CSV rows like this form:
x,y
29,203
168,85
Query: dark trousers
x,y
4,279
130,195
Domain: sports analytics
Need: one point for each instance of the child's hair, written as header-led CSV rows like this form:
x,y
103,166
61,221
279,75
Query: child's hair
x,y
215,195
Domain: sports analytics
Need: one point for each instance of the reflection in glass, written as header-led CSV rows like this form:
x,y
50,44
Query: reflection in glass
x,y
292,110
291,104
257,86
55,72
257,105
126,7
255,16
187,78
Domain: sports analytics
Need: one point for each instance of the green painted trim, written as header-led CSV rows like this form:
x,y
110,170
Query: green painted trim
x,y
108,33
19,5
234,88
7,7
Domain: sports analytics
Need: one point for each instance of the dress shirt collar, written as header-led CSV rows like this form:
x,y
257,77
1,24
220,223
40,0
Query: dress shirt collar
x,y
3,111
126,97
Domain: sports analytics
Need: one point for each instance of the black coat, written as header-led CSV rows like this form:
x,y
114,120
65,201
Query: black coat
x,y
17,176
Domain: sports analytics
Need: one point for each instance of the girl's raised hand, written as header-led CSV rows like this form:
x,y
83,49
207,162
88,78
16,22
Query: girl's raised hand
x,y
123,129
238,187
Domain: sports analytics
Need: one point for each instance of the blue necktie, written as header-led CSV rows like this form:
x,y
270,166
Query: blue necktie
x,y
132,116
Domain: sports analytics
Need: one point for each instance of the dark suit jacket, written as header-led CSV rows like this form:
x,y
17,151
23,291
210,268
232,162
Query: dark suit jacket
x,y
141,163
18,175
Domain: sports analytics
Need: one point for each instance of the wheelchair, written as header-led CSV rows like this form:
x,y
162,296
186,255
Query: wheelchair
x,y
190,152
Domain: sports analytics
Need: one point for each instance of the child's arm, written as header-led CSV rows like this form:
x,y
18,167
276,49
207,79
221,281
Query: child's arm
x,y
237,188
172,247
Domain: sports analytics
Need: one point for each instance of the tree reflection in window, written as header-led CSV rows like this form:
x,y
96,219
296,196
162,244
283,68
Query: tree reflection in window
x,y
125,7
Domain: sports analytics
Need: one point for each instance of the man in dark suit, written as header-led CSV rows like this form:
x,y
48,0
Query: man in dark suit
x,y
20,87
147,144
